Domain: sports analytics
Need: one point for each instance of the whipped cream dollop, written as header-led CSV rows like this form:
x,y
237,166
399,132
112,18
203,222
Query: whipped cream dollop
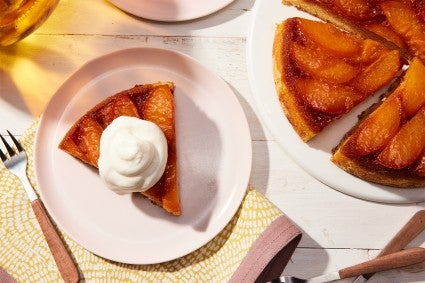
x,y
133,155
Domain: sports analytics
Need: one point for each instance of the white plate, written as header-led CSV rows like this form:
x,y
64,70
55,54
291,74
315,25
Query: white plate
x,y
314,156
214,160
171,10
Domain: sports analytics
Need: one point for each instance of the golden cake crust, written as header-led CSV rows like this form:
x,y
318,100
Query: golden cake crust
x,y
287,101
402,180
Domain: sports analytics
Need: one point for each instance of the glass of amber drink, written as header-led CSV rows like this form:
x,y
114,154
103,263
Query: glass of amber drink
x,y
18,18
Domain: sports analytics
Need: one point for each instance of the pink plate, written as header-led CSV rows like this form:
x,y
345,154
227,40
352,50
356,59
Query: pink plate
x,y
214,159
171,10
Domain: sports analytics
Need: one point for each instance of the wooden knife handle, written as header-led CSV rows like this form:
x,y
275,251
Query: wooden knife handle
x,y
386,262
407,233
410,230
66,266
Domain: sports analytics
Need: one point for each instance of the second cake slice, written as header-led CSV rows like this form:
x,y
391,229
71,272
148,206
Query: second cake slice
x,y
387,146
322,72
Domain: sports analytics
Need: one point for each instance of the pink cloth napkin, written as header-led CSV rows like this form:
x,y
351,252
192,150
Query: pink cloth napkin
x,y
5,277
270,253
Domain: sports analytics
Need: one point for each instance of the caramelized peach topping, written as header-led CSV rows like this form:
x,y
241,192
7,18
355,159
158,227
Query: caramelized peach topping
x,y
407,145
413,94
376,131
337,43
322,66
341,69
401,22
395,131
328,98
379,73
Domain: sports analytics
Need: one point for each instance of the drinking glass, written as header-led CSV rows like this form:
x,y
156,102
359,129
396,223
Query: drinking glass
x,y
18,18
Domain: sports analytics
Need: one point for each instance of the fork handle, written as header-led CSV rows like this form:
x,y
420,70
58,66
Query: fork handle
x,y
64,262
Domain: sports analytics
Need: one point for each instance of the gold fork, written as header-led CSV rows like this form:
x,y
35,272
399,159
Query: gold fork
x,y
15,159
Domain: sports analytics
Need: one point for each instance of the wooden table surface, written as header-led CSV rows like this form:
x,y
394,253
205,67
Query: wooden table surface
x,y
338,230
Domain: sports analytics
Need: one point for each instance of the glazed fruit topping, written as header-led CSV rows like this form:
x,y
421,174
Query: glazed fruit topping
x,y
328,98
356,9
404,22
377,130
394,132
379,73
407,145
338,69
159,108
332,39
318,64
413,88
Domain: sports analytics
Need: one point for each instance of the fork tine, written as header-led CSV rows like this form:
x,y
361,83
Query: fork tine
x,y
15,141
9,149
3,156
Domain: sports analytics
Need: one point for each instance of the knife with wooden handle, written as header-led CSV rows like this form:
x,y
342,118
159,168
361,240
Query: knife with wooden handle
x,y
408,232
394,260
386,262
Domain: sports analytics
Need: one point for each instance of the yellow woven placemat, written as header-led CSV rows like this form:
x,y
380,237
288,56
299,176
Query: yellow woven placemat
x,y
26,256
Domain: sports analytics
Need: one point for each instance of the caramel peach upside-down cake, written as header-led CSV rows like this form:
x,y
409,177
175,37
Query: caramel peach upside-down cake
x,y
130,137
322,70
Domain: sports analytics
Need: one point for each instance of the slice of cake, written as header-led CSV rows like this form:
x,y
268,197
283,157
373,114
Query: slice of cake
x,y
322,72
401,22
387,146
151,102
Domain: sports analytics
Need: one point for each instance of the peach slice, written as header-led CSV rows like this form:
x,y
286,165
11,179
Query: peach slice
x,y
159,109
322,66
401,18
413,96
328,98
379,73
338,43
407,144
91,132
387,33
371,51
377,130
115,108
355,9
405,23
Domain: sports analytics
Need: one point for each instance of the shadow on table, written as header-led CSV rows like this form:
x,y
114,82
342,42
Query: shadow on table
x,y
260,154
20,68
10,93
199,154
233,10
307,262
317,257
